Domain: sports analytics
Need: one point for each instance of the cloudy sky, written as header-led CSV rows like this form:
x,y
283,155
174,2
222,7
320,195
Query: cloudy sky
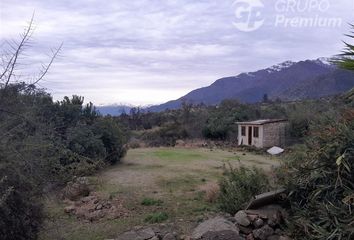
x,y
150,51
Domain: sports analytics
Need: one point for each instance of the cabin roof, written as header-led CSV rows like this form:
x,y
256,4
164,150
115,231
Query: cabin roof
x,y
262,121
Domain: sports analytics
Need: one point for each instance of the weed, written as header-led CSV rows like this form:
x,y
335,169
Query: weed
x,y
151,202
157,217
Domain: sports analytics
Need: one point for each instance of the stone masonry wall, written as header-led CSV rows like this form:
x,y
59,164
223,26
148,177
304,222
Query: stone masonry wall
x,y
274,134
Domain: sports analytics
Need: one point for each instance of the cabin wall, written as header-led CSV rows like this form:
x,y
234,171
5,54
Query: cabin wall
x,y
274,134
270,134
256,141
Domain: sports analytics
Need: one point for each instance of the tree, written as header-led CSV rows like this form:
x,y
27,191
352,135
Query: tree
x,y
265,98
346,59
22,136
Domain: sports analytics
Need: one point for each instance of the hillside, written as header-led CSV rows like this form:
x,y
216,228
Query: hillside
x,y
287,81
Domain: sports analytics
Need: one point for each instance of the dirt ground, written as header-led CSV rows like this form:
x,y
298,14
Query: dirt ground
x,y
172,177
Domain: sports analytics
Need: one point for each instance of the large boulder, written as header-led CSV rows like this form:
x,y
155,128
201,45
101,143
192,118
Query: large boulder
x,y
218,226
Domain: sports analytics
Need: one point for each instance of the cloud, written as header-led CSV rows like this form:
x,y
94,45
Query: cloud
x,y
151,51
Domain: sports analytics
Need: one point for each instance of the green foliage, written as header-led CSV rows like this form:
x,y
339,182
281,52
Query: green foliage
x,y
221,123
113,138
151,202
166,135
157,217
321,178
238,186
20,208
43,145
346,59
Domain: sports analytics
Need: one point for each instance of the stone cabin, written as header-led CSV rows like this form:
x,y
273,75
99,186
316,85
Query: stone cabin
x,y
262,133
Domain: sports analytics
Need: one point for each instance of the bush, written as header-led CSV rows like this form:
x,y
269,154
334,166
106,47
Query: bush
x,y
20,210
112,137
156,217
321,178
166,135
238,186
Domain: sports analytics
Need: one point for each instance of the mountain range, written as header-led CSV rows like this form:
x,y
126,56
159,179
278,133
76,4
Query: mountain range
x,y
287,81
114,110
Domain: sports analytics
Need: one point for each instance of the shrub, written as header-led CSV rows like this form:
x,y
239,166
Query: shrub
x,y
238,186
112,137
211,192
321,179
156,217
20,210
166,135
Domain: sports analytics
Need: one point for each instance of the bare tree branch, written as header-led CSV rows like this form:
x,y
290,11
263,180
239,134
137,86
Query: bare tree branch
x,y
13,60
45,68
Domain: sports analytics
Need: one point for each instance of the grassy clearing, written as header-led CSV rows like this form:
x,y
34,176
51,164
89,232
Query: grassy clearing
x,y
153,183
177,155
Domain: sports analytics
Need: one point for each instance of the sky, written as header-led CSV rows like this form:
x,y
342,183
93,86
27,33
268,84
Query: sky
x,y
145,52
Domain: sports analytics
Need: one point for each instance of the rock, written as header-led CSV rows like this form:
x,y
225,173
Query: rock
x,y
146,233
258,213
258,223
142,234
242,218
99,207
76,189
69,209
222,235
277,237
274,237
107,205
274,214
252,217
169,236
217,224
87,199
250,237
245,230
263,233
180,143
272,223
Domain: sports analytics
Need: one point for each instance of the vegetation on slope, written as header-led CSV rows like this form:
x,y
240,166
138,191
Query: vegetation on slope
x,y
44,144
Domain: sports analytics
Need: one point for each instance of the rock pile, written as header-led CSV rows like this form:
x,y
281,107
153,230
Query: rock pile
x,y
76,189
261,224
92,208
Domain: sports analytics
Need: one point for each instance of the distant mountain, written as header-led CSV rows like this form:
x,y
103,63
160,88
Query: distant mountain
x,y
114,110
287,81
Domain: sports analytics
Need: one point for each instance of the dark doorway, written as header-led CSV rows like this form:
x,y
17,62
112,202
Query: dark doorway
x,y
249,135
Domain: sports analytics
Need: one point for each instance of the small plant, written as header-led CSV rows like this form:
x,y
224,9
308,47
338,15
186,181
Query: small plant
x,y
157,217
211,192
238,186
151,202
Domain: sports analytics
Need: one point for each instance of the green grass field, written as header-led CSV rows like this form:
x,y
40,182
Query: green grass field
x,y
173,177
